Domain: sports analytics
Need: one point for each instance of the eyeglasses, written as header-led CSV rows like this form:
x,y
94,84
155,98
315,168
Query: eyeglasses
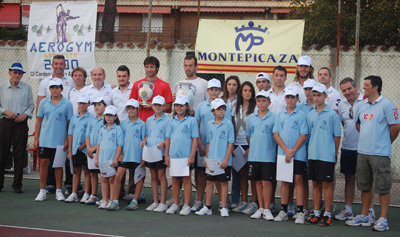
x,y
351,112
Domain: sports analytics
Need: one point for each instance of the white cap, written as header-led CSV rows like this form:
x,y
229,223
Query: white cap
x,y
55,82
132,102
304,60
321,88
159,100
262,93
110,110
215,104
290,90
181,100
261,75
214,83
98,100
83,99
309,83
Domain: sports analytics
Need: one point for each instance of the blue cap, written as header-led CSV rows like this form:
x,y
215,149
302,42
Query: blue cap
x,y
16,67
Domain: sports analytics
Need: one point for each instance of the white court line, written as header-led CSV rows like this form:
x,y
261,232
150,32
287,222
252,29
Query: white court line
x,y
62,231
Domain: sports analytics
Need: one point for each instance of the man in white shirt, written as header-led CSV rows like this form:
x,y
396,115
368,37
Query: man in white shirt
x,y
333,99
304,71
120,94
79,76
99,88
277,92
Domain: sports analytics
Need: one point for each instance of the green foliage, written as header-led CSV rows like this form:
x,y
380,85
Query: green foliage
x,y
13,33
379,21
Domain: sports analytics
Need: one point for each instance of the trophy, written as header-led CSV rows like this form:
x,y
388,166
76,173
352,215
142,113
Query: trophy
x,y
186,88
145,91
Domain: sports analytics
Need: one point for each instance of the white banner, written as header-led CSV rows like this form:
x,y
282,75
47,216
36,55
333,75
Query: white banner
x,y
67,28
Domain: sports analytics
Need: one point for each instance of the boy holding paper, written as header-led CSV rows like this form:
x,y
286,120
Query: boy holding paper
x,y
77,149
290,132
219,140
134,133
262,154
325,131
53,116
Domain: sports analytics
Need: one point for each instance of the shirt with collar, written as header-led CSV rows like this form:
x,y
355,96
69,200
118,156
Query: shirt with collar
x,y
278,102
231,103
262,142
77,129
375,120
305,107
333,99
18,100
92,92
74,95
67,82
156,130
302,95
93,129
119,100
200,91
134,133
219,136
323,127
350,133
181,134
54,127
108,141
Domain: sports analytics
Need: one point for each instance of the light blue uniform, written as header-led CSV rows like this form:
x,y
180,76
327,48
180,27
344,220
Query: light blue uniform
x,y
305,107
109,140
375,120
262,142
204,115
218,137
55,121
93,129
290,127
181,133
156,130
134,133
323,128
77,129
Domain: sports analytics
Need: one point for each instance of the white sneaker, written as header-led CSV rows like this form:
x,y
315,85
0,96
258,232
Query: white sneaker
x,y
267,215
103,204
100,202
344,215
60,196
240,208
234,205
372,217
196,206
224,212
41,196
152,207
251,208
173,209
300,218
160,208
169,202
204,211
282,216
258,214
85,198
185,211
72,198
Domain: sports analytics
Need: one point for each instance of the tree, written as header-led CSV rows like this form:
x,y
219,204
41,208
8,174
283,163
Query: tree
x,y
110,12
380,21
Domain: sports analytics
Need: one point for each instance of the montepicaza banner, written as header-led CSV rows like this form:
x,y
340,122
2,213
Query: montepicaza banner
x,y
248,45
66,28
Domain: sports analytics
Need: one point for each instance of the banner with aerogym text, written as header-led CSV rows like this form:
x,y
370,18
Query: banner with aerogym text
x,y
248,45
66,28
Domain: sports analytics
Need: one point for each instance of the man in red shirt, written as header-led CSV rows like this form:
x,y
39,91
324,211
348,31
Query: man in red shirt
x,y
162,88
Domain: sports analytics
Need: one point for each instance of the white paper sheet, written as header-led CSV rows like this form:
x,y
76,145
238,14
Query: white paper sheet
x,y
140,173
90,163
179,167
59,158
200,160
214,167
151,154
284,170
238,161
107,170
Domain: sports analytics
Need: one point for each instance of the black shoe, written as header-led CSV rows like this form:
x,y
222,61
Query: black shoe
x,y
313,219
325,221
18,190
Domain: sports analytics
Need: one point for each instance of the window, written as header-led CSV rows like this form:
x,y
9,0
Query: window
x,y
156,23
100,22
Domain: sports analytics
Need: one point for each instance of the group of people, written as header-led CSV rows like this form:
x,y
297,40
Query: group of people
x,y
299,123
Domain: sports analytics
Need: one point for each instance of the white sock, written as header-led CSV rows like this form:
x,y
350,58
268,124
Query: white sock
x,y
43,190
328,214
59,190
317,213
244,203
348,208
261,209
116,201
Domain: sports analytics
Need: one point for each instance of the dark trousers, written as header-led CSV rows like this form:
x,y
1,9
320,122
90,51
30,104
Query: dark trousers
x,y
15,135
131,184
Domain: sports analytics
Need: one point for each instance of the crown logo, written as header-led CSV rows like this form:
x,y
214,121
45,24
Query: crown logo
x,y
251,27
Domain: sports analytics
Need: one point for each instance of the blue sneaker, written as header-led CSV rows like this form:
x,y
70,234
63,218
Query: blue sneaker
x,y
359,220
381,225
113,206
132,206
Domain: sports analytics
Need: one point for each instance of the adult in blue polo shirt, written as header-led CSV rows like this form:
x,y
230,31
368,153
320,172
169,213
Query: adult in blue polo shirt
x,y
377,119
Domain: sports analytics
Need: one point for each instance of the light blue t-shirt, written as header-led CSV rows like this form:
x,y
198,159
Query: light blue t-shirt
x,y
305,107
181,133
77,129
156,130
93,129
323,128
262,142
375,120
53,131
109,140
134,133
204,115
290,127
218,137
